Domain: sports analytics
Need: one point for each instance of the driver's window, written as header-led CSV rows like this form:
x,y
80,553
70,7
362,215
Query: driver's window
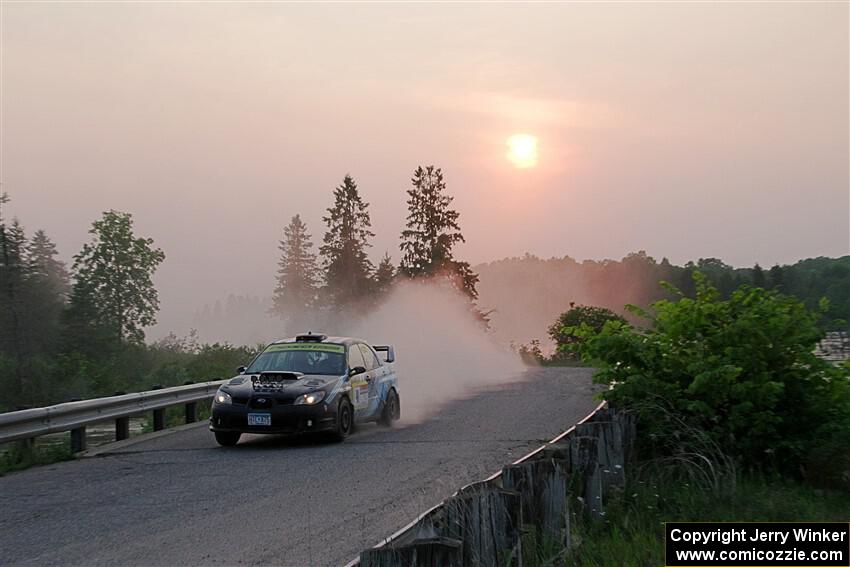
x,y
355,358
369,357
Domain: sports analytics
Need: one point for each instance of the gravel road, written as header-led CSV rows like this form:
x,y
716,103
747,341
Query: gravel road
x,y
180,499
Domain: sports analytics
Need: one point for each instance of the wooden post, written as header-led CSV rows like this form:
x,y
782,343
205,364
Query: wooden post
x,y
122,428
585,463
610,454
542,485
78,439
431,552
487,521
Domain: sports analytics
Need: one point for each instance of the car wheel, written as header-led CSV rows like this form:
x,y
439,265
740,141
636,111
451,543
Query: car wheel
x,y
227,438
392,409
344,420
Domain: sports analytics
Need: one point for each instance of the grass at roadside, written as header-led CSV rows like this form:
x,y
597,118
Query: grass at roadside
x,y
632,533
20,456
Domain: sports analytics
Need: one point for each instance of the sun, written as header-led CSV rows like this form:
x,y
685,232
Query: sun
x,y
522,150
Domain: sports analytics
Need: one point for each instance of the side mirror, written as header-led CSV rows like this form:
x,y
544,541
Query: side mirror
x,y
356,370
241,370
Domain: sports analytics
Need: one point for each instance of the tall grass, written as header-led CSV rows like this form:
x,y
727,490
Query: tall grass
x,y
20,456
632,533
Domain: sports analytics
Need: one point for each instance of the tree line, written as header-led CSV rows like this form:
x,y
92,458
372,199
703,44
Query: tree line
x,y
549,286
341,281
80,332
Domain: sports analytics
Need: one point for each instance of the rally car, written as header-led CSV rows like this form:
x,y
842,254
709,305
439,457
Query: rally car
x,y
309,383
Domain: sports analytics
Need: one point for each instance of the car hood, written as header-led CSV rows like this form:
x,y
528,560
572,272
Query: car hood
x,y
243,386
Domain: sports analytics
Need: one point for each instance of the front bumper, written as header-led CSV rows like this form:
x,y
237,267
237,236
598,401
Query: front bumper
x,y
288,419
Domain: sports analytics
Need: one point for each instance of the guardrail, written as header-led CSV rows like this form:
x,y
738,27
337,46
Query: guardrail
x,y
75,416
593,452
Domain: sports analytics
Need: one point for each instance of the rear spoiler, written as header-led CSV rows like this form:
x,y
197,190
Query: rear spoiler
x,y
388,349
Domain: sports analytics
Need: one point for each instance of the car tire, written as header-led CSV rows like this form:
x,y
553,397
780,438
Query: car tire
x,y
227,438
392,410
344,420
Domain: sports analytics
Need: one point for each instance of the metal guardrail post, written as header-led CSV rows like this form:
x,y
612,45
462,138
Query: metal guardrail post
x,y
122,424
191,412
158,414
158,419
122,428
78,439
191,408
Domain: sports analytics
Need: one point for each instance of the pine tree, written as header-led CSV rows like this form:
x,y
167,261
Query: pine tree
x,y
758,276
297,276
432,231
384,275
13,275
777,278
347,267
47,291
113,293
44,267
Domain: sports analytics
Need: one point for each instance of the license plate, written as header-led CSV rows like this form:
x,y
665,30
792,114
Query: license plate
x,y
259,419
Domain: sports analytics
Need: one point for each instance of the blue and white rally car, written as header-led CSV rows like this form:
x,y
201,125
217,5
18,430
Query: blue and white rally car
x,y
310,383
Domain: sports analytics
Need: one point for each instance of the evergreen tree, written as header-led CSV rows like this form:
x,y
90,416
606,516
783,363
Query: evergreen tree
x,y
47,291
297,280
758,277
432,231
113,295
44,267
384,275
777,278
347,267
13,275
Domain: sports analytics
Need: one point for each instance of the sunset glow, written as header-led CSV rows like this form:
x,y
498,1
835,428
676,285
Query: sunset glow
x,y
522,150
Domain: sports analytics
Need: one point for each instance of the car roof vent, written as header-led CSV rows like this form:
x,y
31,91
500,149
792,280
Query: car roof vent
x,y
310,337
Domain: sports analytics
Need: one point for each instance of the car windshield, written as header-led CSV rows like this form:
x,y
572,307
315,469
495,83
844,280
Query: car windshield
x,y
305,358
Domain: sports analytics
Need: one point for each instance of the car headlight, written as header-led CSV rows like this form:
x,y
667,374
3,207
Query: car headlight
x,y
310,399
222,397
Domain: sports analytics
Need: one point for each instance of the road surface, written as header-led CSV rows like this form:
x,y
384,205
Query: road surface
x,y
180,499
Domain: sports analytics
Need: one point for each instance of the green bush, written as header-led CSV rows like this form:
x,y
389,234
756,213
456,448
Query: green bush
x,y
742,370
563,331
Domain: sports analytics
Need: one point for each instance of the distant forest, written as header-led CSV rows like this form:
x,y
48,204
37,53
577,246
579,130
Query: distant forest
x,y
527,293
79,331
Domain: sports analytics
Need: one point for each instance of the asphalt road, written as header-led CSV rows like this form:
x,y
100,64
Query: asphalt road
x,y
180,499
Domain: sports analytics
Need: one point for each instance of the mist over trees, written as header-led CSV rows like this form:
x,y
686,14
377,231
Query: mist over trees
x,y
60,341
33,286
385,274
297,274
347,284
548,287
82,334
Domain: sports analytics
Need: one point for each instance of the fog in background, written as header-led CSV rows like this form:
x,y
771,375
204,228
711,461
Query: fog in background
x,y
684,129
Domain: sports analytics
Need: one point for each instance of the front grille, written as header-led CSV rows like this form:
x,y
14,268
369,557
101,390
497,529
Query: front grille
x,y
260,403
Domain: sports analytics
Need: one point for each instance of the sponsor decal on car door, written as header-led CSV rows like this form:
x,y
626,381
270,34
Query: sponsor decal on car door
x,y
360,382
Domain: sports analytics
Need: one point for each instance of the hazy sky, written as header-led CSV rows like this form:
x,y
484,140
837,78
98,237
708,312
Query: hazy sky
x,y
685,129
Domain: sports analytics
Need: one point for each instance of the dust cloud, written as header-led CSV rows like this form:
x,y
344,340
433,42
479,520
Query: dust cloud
x,y
442,352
